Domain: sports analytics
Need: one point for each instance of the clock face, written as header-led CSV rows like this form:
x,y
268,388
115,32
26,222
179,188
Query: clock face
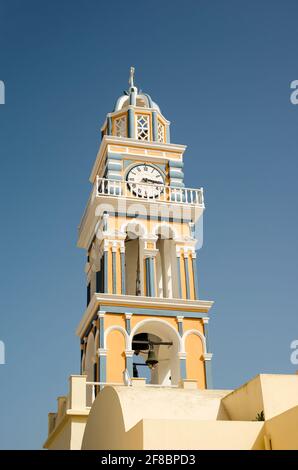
x,y
145,181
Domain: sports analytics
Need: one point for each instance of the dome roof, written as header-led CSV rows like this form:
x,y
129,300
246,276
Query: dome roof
x,y
134,98
142,101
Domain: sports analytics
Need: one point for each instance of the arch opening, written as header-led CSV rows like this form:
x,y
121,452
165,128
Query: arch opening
x,y
133,267
165,268
163,342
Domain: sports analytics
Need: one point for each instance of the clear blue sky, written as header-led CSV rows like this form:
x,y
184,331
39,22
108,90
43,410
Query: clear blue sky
x,y
221,72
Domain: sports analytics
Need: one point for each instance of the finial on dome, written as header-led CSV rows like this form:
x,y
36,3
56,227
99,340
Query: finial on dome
x,y
131,76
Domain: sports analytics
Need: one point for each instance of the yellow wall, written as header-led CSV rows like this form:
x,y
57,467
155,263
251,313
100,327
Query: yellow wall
x,y
202,435
111,319
116,361
195,366
137,318
271,393
245,402
121,419
140,417
193,324
283,430
115,356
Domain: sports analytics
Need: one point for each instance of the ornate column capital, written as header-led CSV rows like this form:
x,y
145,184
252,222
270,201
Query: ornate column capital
x,y
129,353
101,314
150,253
182,355
207,356
101,352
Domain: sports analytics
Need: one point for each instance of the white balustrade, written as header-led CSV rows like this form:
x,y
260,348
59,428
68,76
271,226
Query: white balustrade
x,y
149,192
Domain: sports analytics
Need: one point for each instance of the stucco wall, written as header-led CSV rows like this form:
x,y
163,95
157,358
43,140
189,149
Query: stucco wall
x,y
271,393
283,430
117,410
188,434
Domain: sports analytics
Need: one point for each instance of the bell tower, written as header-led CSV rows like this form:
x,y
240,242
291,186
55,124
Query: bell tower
x,y
144,316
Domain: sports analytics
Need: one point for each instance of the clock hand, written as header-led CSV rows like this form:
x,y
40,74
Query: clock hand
x,y
147,180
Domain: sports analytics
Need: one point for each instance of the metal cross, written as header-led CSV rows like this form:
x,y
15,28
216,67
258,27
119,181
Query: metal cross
x,y
131,76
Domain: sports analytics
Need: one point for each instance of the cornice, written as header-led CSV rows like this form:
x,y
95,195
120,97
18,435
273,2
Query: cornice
x,y
133,301
113,140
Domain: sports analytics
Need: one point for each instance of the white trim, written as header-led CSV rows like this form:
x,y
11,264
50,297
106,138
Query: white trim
x,y
150,252
101,352
155,320
129,353
182,355
128,142
194,332
134,301
118,328
207,356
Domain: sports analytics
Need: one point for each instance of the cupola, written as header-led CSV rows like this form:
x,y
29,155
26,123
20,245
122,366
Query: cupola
x,y
137,116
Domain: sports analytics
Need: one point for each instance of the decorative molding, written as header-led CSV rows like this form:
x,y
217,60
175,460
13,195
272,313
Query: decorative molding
x,y
182,354
102,352
116,328
149,237
207,356
141,305
114,247
157,320
194,332
150,252
129,352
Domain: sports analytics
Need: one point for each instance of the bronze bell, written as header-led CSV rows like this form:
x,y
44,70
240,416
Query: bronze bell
x,y
151,361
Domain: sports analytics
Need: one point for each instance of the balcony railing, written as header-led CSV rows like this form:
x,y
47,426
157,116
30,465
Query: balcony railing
x,y
149,192
152,193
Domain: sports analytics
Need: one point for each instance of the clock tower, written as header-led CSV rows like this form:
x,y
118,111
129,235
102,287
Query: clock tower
x,y
145,378
144,316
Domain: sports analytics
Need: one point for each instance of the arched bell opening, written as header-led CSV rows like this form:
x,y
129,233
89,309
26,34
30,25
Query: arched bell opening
x,y
156,347
132,259
164,262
